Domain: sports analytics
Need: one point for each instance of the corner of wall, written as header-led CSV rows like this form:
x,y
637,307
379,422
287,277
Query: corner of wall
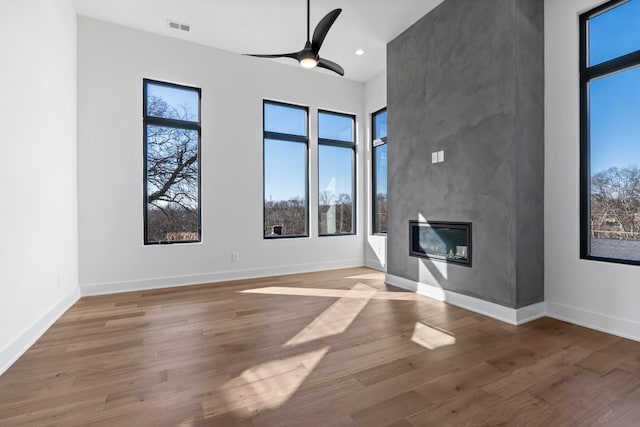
x,y
39,264
23,341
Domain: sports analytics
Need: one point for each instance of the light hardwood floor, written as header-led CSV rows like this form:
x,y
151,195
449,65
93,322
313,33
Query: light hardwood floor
x,y
334,348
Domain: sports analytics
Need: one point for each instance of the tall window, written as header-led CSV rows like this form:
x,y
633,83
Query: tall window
x,y
379,168
171,120
285,170
336,173
610,132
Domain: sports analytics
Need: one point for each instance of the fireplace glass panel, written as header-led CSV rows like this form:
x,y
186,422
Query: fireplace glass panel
x,y
445,241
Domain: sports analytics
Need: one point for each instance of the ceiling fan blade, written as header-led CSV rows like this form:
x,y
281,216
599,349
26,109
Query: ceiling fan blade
x,y
323,28
293,55
330,65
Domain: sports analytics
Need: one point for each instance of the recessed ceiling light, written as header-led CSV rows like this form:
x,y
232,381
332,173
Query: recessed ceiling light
x,y
359,52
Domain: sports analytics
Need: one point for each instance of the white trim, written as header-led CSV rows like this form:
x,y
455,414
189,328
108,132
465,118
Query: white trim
x,y
375,264
22,343
600,322
509,315
196,279
531,312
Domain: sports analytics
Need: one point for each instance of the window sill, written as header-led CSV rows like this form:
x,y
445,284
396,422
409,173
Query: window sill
x,y
285,236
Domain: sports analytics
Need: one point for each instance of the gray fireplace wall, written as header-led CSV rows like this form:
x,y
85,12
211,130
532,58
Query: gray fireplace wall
x,y
468,79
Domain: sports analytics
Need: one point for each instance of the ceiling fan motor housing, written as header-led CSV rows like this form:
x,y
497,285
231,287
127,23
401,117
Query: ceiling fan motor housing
x,y
309,56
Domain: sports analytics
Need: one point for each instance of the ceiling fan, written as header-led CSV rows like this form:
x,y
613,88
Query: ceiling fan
x,y
309,56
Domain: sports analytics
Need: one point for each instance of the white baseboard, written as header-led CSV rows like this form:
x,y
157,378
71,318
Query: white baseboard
x,y
197,279
374,263
15,349
531,312
509,315
589,319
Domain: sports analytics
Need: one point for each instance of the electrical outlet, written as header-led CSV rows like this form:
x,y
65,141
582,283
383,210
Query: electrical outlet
x,y
437,156
235,257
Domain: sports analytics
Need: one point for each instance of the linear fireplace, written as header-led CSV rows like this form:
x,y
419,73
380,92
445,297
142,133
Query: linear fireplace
x,y
443,241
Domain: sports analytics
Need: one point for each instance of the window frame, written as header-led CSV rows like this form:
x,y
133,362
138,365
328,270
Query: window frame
x,y
374,168
342,144
148,120
287,138
587,74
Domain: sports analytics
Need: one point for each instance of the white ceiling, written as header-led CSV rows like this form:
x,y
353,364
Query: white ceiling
x,y
273,26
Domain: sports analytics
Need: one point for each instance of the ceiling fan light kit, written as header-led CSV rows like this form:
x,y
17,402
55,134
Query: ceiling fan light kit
x,y
309,56
308,62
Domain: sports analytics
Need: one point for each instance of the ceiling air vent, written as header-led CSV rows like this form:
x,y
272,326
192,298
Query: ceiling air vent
x,y
178,26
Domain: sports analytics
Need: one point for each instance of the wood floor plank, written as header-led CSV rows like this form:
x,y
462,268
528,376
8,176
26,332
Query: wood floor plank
x,y
459,411
383,372
521,409
332,348
390,410
591,403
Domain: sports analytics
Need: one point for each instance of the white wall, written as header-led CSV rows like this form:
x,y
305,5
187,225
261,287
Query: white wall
x,y
596,294
375,98
113,60
38,225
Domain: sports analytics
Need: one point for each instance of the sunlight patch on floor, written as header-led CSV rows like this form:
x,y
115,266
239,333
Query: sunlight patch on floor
x,y
337,318
270,384
431,337
368,276
333,293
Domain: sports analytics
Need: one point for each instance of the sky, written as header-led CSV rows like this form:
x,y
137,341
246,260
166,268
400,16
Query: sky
x,y
285,169
614,101
335,166
182,99
381,166
380,153
285,162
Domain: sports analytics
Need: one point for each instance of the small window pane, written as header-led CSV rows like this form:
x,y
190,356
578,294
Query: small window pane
x,y
380,125
172,102
380,183
614,105
614,33
285,178
335,204
285,119
172,168
335,127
